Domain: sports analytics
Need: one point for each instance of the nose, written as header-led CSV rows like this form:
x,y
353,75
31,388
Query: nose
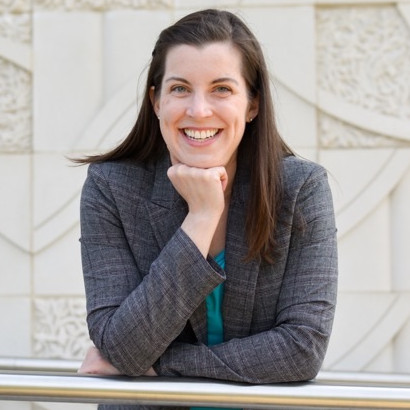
x,y
199,106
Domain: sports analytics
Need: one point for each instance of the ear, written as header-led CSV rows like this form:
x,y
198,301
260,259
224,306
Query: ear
x,y
154,101
253,108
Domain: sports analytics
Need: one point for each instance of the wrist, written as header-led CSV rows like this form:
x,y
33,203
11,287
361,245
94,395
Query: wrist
x,y
200,228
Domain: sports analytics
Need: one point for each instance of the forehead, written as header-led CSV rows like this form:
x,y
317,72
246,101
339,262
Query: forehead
x,y
212,59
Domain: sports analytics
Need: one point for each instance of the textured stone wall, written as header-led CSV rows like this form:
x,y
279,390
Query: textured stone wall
x,y
69,83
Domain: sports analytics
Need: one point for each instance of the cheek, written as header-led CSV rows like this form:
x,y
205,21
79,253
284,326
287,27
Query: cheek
x,y
171,108
239,124
239,120
236,111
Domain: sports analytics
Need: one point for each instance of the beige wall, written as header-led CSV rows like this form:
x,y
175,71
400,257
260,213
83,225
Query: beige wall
x,y
69,71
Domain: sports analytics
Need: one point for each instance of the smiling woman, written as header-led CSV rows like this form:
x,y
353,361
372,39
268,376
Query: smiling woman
x,y
208,248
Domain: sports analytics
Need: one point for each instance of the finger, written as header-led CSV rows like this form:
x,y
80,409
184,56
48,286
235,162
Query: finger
x,y
175,170
222,176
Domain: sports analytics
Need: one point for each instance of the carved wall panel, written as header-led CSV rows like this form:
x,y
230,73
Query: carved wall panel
x,y
16,27
59,328
15,106
363,77
15,6
338,134
364,57
15,80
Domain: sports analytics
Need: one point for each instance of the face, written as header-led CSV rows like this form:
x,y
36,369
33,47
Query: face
x,y
204,105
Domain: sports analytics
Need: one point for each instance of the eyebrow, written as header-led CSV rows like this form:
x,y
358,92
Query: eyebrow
x,y
216,81
180,79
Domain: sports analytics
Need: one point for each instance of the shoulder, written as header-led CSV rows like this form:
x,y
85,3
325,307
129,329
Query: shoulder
x,y
305,183
119,170
124,176
298,173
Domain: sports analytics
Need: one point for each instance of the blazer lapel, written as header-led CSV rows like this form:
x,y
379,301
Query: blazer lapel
x,y
167,211
241,276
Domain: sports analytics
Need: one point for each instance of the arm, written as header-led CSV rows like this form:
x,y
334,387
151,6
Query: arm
x,y
294,348
133,316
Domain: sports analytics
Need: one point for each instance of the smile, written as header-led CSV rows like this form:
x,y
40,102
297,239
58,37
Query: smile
x,y
202,135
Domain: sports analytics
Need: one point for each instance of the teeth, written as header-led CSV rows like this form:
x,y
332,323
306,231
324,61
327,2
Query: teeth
x,y
200,135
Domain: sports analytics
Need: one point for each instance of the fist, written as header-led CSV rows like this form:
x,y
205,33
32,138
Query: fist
x,y
202,189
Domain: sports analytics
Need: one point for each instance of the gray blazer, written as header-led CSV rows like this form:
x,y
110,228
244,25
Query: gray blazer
x,y
146,281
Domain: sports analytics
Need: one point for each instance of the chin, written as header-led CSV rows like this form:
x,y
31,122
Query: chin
x,y
191,161
204,164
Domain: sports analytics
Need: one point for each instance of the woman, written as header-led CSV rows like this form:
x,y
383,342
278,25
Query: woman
x,y
209,249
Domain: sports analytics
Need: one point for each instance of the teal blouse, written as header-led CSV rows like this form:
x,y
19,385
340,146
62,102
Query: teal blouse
x,y
214,308
215,325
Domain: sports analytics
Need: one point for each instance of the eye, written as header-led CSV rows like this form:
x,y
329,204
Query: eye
x,y
179,89
222,89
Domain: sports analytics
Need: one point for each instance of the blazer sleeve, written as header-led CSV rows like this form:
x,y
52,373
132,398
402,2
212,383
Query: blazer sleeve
x,y
134,316
294,349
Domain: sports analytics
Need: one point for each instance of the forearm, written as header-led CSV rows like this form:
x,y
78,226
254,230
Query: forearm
x,y
134,333
285,354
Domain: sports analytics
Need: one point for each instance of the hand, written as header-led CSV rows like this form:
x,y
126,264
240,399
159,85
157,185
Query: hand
x,y
95,363
202,189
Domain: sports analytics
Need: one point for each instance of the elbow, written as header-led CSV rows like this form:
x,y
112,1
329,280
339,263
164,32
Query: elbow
x,y
310,368
119,357
309,359
300,366
114,349
304,359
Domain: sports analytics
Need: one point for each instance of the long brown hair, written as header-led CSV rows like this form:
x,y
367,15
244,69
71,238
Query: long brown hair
x,y
261,146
